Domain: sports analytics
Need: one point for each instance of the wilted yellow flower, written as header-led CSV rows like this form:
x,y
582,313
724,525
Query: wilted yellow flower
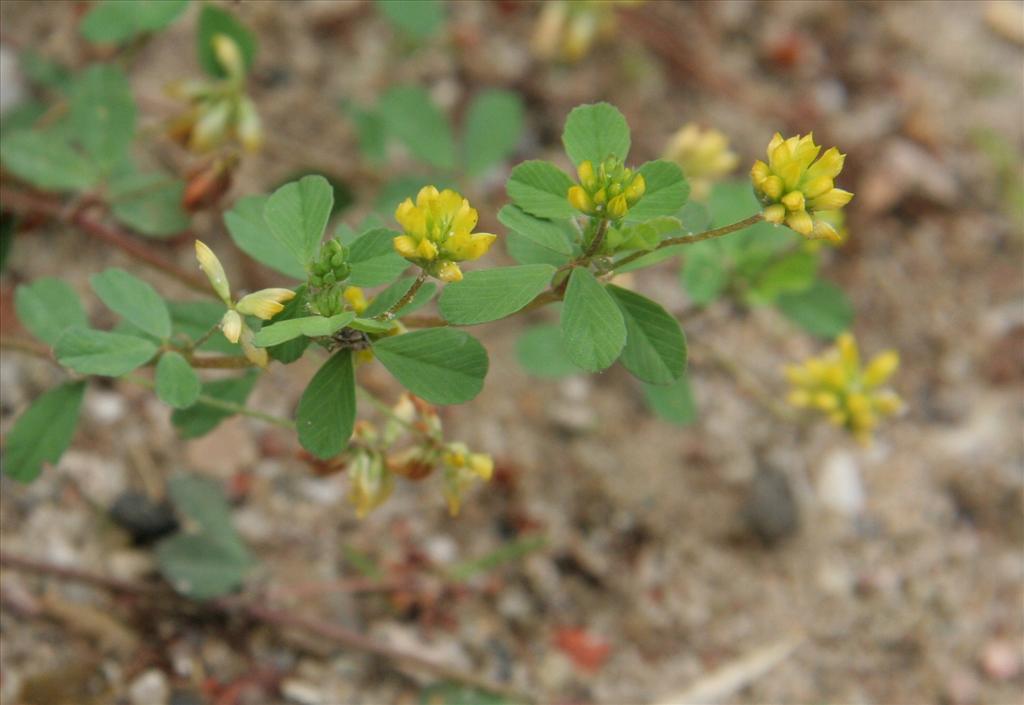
x,y
438,232
852,396
461,470
370,482
567,29
609,190
219,110
795,188
264,304
703,155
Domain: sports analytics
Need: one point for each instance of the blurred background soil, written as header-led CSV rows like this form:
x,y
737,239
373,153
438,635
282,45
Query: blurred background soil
x,y
902,582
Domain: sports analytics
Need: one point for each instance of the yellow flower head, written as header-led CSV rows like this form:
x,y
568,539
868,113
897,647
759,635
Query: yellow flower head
x,y
794,187
851,395
438,232
461,470
608,190
703,155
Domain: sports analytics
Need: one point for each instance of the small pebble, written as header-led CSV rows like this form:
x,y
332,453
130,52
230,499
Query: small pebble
x,y
839,485
143,518
1001,660
149,689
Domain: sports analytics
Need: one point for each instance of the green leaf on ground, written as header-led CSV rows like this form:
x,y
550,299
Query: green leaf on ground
x,y
494,125
116,21
43,432
102,114
541,353
149,203
47,307
417,18
209,560
413,119
673,403
47,161
823,310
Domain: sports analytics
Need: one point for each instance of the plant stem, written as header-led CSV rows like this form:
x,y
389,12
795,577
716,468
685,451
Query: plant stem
x,y
595,244
690,239
404,301
255,610
221,404
24,202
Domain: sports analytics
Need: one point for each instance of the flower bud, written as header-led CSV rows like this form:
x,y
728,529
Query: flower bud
x,y
618,207
211,266
265,303
249,127
228,55
579,199
585,171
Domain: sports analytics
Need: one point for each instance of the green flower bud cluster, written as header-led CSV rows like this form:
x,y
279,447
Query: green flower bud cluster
x,y
326,276
608,191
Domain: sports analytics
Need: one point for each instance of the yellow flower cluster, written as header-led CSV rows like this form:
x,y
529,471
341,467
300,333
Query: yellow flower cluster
x,y
703,155
837,385
795,188
438,232
219,111
608,191
264,304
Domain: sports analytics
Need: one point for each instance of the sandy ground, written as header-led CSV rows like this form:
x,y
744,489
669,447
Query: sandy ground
x,y
904,581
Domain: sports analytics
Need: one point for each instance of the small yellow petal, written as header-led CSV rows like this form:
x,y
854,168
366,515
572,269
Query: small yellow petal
x,y
831,200
426,250
881,368
426,196
482,464
775,214
449,272
579,199
209,263
793,201
800,222
231,326
257,356
265,303
405,246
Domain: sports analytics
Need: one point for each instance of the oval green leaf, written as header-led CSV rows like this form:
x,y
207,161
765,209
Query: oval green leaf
x,y
327,410
491,294
309,326
134,300
442,365
253,236
595,132
547,234
541,188
665,193
97,352
655,348
297,214
177,384
541,353
593,331
43,432
48,307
